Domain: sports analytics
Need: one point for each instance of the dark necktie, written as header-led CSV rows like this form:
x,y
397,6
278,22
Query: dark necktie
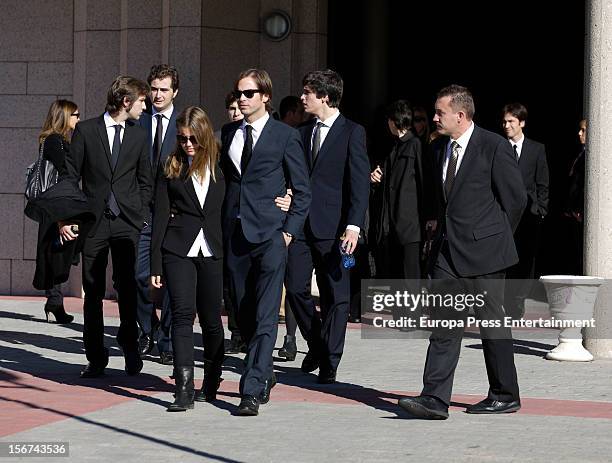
x,y
157,143
316,141
451,168
247,149
112,201
516,155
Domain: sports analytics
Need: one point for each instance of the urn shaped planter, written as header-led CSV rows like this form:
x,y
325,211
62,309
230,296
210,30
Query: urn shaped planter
x,y
571,297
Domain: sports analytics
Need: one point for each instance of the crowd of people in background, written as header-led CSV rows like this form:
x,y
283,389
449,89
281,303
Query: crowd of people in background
x,y
239,217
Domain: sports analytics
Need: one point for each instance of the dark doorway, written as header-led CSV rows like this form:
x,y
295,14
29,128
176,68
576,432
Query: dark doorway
x,y
526,51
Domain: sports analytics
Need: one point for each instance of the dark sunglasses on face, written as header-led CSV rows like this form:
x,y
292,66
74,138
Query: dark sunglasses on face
x,y
182,139
77,115
247,93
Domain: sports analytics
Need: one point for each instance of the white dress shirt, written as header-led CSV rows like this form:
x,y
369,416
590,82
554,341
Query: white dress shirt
x,y
165,122
110,129
323,131
519,146
235,150
462,141
201,189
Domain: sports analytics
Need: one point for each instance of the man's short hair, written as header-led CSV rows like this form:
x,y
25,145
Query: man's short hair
x,y
517,110
289,104
125,87
400,112
229,99
325,83
161,71
460,99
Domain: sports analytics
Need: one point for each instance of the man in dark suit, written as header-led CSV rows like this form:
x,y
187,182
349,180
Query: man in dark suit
x,y
339,176
531,157
110,155
260,157
484,199
161,131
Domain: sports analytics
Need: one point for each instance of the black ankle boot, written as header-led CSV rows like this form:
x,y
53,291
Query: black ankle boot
x,y
58,312
183,399
210,384
289,349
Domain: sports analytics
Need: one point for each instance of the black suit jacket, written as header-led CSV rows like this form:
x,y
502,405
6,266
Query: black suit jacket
x,y
339,178
407,192
484,205
176,231
89,160
169,143
277,161
534,169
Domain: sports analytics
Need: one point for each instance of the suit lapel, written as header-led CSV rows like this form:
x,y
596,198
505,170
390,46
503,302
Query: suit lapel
x,y
469,157
104,140
307,141
333,133
146,121
169,138
261,141
226,143
126,146
187,182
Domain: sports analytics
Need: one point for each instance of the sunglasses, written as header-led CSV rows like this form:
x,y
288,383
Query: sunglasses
x,y
247,93
77,115
182,139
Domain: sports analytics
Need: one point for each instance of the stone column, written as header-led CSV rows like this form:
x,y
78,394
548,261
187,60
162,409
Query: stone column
x,y
598,188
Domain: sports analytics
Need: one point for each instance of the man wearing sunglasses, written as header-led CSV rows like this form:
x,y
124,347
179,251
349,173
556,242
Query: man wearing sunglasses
x,y
161,129
260,158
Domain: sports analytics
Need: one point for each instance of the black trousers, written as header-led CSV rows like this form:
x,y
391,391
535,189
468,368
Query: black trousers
x,y
195,285
519,277
444,347
121,238
256,280
325,332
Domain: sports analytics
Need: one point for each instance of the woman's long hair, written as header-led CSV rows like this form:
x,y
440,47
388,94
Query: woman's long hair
x,y
206,152
58,120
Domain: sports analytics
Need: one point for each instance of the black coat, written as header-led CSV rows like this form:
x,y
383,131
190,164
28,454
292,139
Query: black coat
x,y
407,196
484,205
534,170
63,201
131,181
179,217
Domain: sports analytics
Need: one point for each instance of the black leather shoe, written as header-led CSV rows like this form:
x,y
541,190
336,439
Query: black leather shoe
x,y
133,362
354,319
166,358
490,406
249,406
206,393
326,377
93,371
289,349
58,312
310,363
425,407
145,344
236,346
265,395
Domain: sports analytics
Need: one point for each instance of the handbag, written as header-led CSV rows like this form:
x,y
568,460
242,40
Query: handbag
x,y
40,175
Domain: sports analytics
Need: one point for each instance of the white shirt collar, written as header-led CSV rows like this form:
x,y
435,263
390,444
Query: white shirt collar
x,y
167,113
519,144
258,125
110,122
330,120
464,139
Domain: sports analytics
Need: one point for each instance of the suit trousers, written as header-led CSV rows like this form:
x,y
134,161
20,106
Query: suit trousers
x,y
195,285
256,273
325,332
519,277
121,238
147,317
445,345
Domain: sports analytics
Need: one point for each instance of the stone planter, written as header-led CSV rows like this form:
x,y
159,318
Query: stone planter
x,y
571,297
